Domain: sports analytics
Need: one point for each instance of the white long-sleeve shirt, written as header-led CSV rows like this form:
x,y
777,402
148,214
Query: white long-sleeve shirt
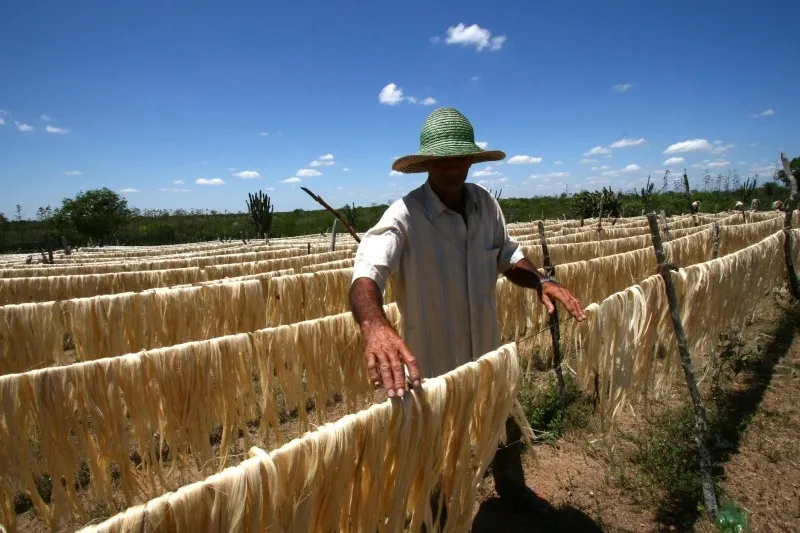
x,y
444,273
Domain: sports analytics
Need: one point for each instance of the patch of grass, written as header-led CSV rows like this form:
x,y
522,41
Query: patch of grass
x,y
545,413
666,453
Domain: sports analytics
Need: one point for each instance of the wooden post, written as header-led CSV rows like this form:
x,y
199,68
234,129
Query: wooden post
x,y
334,212
600,222
555,330
665,227
787,226
715,251
700,418
333,235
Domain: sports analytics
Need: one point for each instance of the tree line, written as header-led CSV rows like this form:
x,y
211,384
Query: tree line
x,y
102,217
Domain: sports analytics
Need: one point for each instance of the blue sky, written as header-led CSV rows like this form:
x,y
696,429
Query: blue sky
x,y
153,96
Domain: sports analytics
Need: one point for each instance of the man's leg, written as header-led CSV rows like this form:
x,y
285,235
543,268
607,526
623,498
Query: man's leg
x,y
509,477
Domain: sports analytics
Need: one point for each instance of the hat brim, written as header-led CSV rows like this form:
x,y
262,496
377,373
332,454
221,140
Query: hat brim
x,y
420,162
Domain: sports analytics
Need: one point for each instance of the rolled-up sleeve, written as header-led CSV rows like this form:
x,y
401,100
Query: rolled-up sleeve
x,y
379,252
510,250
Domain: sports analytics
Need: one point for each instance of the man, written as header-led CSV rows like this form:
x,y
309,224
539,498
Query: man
x,y
446,242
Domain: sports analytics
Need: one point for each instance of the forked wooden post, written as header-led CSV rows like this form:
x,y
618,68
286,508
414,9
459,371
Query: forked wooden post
x,y
700,418
787,227
715,250
333,235
664,226
555,330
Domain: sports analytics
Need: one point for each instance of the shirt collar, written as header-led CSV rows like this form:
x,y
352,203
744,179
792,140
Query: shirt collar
x,y
435,206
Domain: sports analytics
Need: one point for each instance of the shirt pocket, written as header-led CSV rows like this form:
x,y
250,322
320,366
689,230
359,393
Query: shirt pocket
x,y
489,264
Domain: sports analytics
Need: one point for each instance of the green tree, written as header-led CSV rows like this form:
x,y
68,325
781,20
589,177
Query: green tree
x,y
794,165
95,214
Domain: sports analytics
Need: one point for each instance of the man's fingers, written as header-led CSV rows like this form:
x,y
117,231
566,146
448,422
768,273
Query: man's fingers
x,y
398,373
372,368
548,303
411,363
386,373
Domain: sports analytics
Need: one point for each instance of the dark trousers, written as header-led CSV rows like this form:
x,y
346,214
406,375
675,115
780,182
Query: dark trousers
x,y
506,470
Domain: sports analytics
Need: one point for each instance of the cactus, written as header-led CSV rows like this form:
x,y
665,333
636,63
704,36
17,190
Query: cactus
x,y
260,209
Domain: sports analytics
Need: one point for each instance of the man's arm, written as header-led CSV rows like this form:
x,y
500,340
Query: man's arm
x,y
377,257
524,274
385,350
520,271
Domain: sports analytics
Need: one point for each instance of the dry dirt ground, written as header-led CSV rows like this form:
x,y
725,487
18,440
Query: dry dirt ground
x,y
761,471
758,467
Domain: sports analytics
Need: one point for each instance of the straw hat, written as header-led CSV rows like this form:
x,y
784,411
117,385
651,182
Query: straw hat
x,y
446,134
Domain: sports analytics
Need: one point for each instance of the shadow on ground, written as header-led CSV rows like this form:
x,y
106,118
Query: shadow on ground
x,y
497,517
735,411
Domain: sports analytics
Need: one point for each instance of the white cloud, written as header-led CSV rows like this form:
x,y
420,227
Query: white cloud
x,y
263,133
46,118
248,174
173,189
764,169
429,101
720,148
473,35
474,78
482,144
524,160
178,182
391,95
549,175
73,173
323,160
672,161
269,188
411,99
486,171
209,181
395,173
627,170
53,129
586,160
692,145
294,179
628,143
2,121
128,190
21,126
598,150
622,87
766,113
3,115
720,163
558,163
597,181
308,173
601,167
346,169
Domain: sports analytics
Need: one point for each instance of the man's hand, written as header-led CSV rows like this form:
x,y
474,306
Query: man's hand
x,y
386,353
549,291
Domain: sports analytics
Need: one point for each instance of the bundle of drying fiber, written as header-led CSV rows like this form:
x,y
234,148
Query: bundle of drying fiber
x,y
106,409
263,275
362,473
330,265
105,326
31,336
732,238
512,309
44,289
257,267
731,286
304,296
